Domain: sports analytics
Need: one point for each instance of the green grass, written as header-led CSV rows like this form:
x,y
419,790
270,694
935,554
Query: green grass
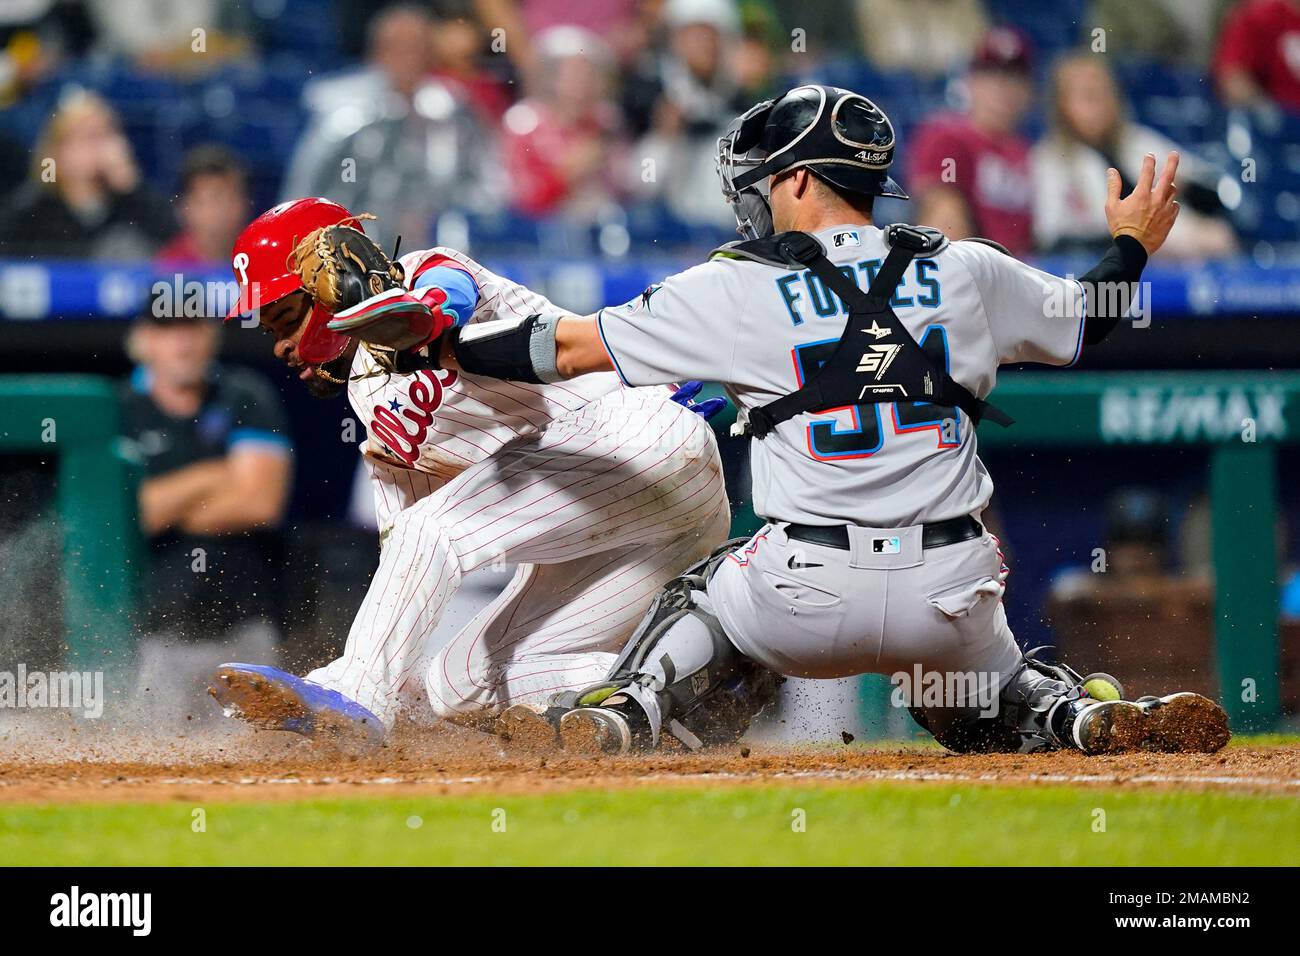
x,y
877,824
1264,740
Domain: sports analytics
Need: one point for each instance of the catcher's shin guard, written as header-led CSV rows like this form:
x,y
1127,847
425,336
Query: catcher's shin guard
x,y
1037,708
680,674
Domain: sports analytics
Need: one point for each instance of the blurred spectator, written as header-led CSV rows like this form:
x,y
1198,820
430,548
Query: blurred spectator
x,y
458,45
930,37
562,143
1176,31
217,470
35,38
753,60
1090,131
14,163
970,174
389,139
1258,59
824,28
624,25
160,34
213,207
688,94
85,198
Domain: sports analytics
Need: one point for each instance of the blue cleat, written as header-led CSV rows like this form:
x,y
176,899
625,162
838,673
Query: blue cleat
x,y
272,699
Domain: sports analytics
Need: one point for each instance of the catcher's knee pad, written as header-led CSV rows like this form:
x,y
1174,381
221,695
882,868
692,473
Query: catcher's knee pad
x,y
965,731
681,670
1034,707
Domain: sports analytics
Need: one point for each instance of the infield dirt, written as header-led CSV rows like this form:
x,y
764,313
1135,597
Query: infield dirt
x,y
70,766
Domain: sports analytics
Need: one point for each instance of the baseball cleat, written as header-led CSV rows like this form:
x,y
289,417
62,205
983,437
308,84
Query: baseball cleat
x,y
1177,723
272,699
530,728
594,731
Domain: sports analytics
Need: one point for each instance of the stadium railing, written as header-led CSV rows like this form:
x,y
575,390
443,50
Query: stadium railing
x,y
75,419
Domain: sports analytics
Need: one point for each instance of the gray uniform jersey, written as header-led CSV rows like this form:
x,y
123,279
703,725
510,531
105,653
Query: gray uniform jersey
x,y
759,330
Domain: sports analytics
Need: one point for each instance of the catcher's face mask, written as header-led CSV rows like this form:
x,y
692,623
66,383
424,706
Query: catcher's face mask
x,y
739,155
840,135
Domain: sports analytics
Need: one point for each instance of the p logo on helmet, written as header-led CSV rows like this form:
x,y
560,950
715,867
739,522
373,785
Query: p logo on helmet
x,y
261,261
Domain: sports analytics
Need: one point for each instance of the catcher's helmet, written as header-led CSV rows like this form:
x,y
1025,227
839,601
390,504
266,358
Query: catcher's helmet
x,y
840,136
261,263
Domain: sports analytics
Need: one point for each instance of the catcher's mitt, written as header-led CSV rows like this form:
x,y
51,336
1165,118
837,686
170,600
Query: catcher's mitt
x,y
341,267
350,277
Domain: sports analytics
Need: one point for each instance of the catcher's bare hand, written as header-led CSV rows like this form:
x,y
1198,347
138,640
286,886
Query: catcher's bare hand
x,y
1148,212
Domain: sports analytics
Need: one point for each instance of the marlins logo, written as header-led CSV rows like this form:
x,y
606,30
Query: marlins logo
x,y
644,302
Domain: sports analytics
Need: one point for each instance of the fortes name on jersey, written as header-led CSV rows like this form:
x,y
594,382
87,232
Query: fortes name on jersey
x,y
805,296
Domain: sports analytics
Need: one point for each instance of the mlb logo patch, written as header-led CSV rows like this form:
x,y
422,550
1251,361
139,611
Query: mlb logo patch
x,y
842,239
886,545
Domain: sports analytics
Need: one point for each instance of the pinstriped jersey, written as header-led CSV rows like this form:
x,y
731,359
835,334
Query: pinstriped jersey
x,y
760,330
441,422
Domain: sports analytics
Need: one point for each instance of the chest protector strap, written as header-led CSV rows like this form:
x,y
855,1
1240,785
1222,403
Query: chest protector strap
x,y
876,360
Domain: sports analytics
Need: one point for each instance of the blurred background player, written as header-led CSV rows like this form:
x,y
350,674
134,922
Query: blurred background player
x,y
218,470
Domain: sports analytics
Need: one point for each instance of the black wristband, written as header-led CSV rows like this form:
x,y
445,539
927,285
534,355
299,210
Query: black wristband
x,y
1119,269
511,349
1133,257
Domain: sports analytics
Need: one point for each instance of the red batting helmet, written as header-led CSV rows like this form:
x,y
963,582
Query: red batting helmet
x,y
261,263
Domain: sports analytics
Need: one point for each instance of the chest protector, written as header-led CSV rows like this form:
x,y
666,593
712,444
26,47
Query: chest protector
x,y
876,359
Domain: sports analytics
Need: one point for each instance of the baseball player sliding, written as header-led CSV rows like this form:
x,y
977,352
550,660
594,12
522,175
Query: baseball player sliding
x,y
860,358
599,492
